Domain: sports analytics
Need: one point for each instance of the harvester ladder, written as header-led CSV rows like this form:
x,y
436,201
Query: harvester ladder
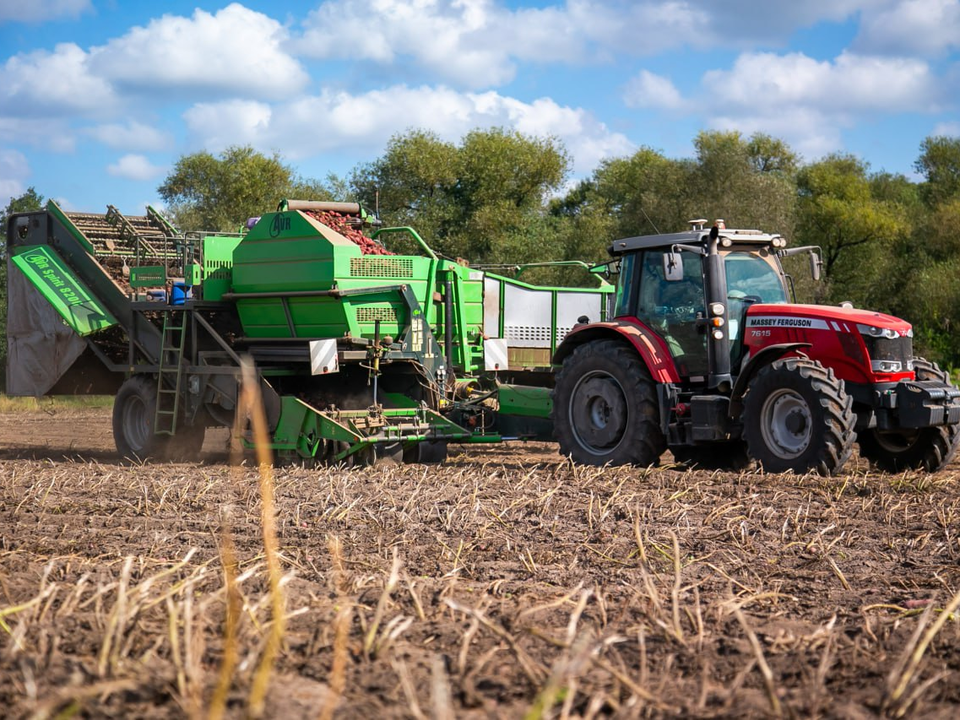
x,y
170,373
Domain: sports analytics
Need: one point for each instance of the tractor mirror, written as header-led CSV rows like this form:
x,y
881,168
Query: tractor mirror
x,y
815,263
672,267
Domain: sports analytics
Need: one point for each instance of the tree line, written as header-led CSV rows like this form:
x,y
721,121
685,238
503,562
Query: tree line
x,y
889,242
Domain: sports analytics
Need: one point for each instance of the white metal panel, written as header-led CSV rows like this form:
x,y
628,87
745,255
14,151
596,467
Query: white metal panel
x,y
323,357
526,316
495,354
571,306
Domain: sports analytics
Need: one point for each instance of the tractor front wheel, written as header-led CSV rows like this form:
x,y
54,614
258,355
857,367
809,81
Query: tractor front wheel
x,y
927,449
797,417
605,407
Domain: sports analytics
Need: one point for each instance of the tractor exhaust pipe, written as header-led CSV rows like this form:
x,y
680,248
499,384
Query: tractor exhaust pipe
x,y
718,336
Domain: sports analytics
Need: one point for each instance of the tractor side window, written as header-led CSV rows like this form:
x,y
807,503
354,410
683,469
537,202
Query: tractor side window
x,y
626,286
671,308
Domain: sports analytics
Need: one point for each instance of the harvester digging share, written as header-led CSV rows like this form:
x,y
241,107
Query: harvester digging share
x,y
687,342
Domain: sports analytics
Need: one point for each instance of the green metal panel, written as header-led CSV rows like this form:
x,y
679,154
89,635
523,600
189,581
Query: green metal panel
x,y
525,400
67,223
218,265
148,276
192,275
70,297
289,252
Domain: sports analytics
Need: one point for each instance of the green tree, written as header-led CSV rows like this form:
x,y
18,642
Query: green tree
x,y
204,192
747,182
30,200
646,193
939,163
861,235
484,199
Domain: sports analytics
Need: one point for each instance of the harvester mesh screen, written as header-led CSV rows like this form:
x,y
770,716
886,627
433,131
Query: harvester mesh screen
x,y
381,267
372,314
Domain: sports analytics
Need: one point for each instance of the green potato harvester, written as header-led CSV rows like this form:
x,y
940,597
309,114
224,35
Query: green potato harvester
x,y
358,354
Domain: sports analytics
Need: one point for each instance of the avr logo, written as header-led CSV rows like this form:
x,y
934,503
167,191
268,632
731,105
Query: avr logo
x,y
280,224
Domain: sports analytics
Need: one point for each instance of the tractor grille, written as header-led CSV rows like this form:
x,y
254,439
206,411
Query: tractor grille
x,y
890,354
381,267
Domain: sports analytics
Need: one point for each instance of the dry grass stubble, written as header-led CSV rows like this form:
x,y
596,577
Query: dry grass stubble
x,y
485,587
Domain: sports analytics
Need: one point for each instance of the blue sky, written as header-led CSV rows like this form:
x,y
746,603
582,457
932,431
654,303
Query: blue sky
x,y
99,99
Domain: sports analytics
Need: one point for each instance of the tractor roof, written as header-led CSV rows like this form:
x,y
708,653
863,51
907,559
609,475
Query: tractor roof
x,y
689,237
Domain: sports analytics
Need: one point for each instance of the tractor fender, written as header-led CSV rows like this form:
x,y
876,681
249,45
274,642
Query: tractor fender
x,y
649,346
761,359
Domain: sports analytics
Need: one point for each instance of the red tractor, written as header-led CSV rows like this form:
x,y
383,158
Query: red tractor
x,y
706,357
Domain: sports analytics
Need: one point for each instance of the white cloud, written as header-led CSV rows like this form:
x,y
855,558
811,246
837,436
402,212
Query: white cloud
x,y
132,135
135,167
337,120
58,82
51,135
648,90
848,86
14,171
924,27
476,43
41,10
949,129
235,50
804,101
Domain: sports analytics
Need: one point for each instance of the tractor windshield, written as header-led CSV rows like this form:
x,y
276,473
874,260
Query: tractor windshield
x,y
751,275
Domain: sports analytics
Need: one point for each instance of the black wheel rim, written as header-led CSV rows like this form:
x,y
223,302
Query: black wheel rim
x,y
599,413
786,423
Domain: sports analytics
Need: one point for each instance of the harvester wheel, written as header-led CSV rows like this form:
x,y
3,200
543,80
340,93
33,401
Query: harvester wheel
x,y
718,456
797,416
428,452
927,449
605,407
134,411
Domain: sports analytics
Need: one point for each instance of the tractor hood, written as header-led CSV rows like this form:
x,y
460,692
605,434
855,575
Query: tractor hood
x,y
824,317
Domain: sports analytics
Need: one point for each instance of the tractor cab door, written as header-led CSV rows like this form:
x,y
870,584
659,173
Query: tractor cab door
x,y
671,308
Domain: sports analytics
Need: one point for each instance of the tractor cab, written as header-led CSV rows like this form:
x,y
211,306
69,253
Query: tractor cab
x,y
665,281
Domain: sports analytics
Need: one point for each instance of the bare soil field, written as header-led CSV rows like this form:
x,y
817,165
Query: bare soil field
x,y
504,583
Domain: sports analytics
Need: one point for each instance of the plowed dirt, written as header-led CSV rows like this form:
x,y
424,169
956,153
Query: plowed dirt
x,y
503,583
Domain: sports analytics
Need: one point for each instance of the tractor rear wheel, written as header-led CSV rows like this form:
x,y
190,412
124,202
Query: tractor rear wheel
x,y
797,417
605,407
927,449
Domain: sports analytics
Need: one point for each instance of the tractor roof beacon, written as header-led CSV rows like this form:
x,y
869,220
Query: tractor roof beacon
x,y
705,355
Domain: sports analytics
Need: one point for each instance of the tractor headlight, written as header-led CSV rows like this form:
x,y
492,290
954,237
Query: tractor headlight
x,y
878,332
717,308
